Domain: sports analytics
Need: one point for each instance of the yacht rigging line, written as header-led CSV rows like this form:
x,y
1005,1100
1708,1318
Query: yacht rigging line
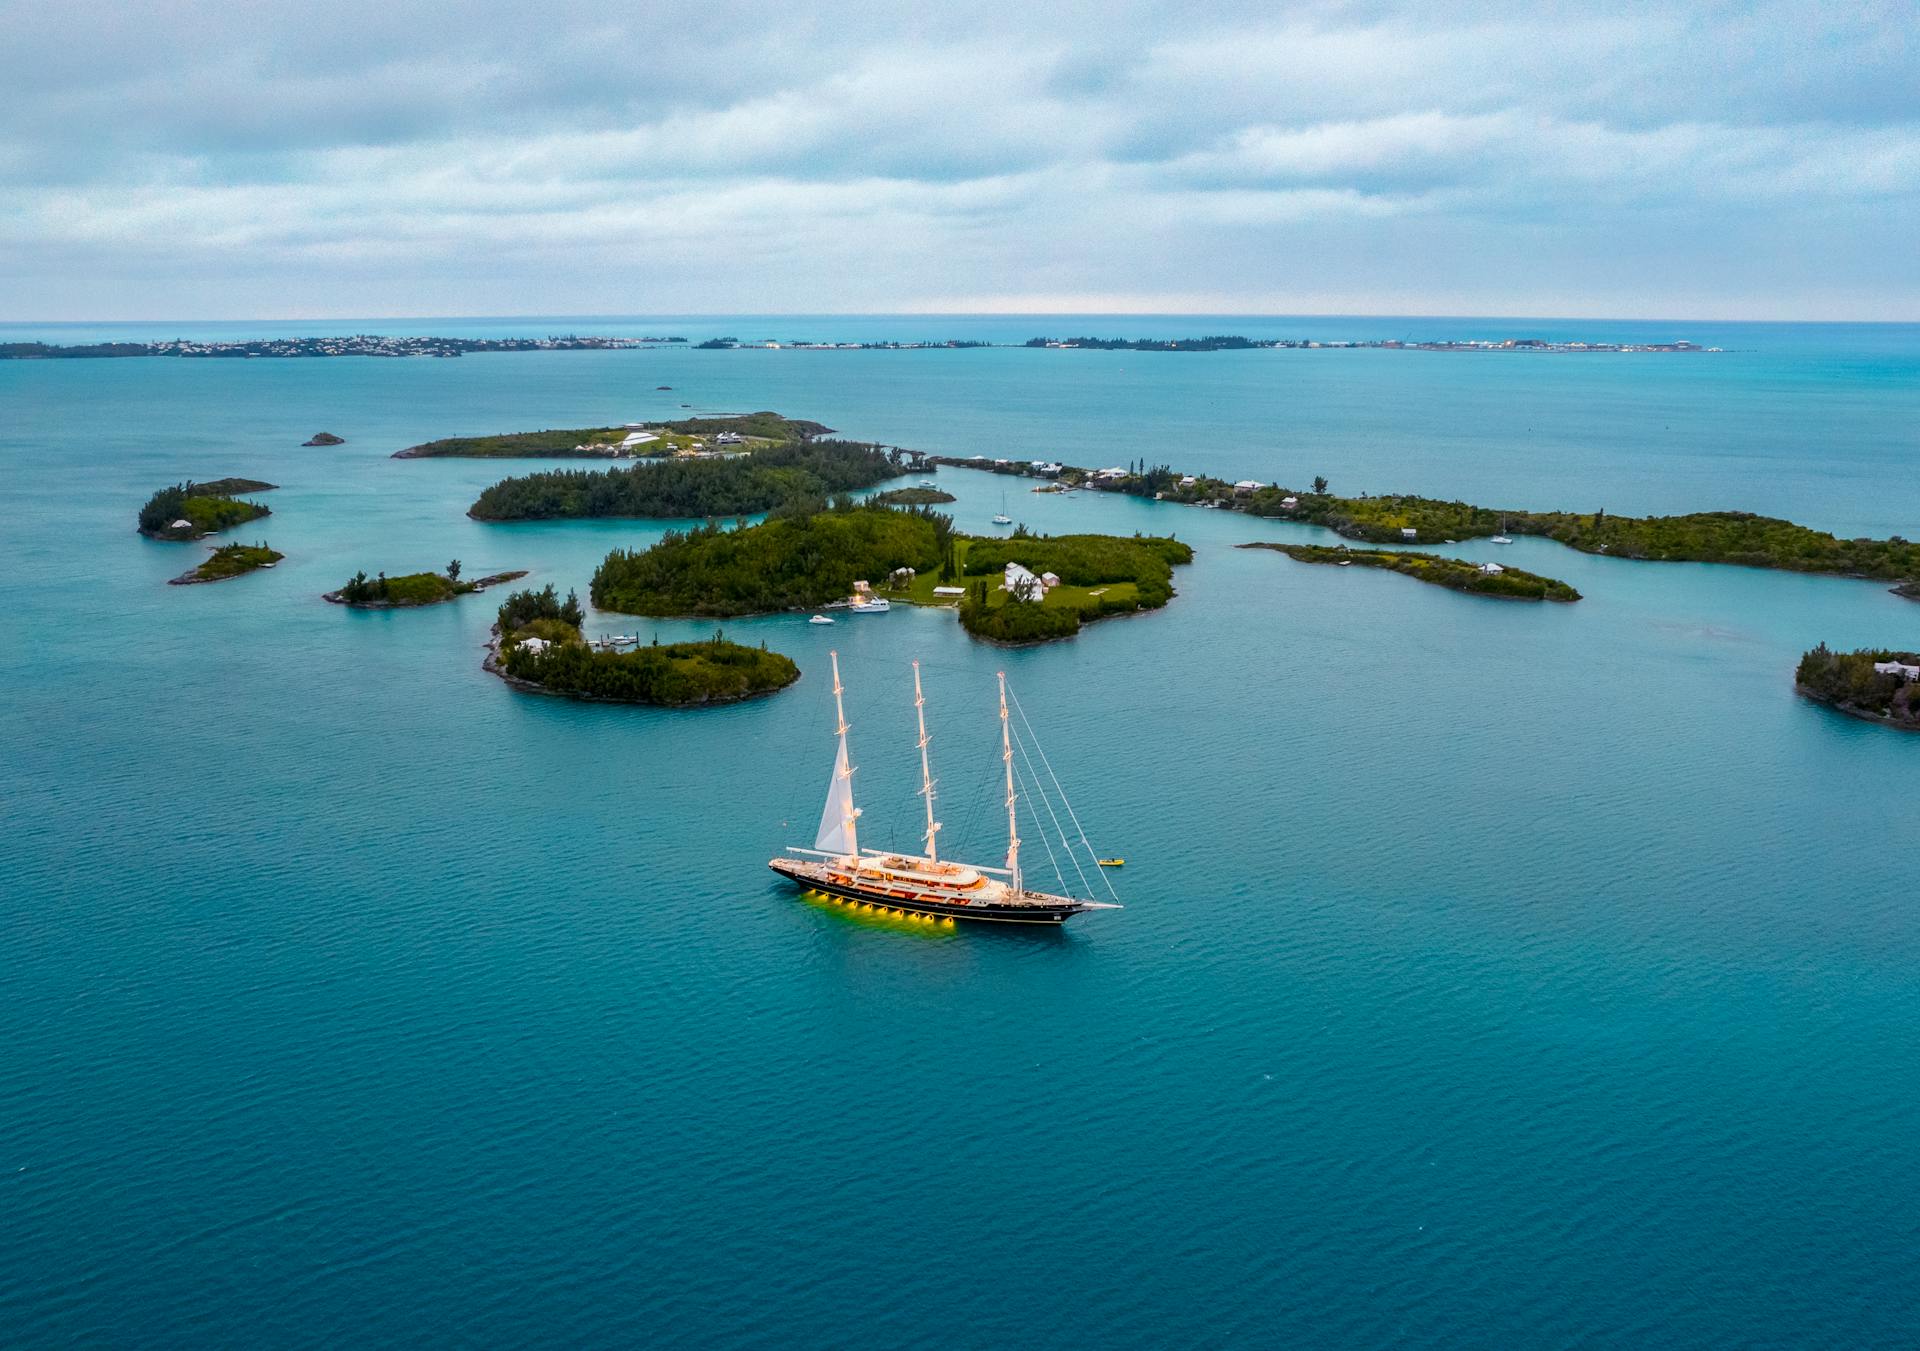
x,y
1065,801
1031,785
1065,843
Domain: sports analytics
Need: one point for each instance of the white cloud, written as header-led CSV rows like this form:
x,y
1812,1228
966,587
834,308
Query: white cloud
x,y
748,157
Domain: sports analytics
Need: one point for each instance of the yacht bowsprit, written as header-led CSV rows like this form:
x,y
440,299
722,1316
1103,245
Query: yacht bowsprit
x,y
924,883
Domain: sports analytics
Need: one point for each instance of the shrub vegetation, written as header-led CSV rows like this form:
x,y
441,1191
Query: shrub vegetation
x,y
1848,682
769,428
1738,537
1100,575
1456,574
804,559
678,674
740,485
231,560
206,507
413,588
523,607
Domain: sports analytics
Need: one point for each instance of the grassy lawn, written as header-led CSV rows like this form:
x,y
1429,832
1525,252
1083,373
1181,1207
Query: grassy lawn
x,y
232,560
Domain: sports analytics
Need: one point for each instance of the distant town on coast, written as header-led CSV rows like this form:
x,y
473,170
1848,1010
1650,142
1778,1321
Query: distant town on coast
x,y
371,345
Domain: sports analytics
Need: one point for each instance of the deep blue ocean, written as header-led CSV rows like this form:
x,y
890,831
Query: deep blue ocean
x,y
1490,974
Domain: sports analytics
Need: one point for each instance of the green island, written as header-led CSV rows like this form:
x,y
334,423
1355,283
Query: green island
x,y
229,560
1068,581
812,558
1456,574
795,560
325,439
538,647
746,431
1736,537
413,589
1880,686
911,497
737,485
190,510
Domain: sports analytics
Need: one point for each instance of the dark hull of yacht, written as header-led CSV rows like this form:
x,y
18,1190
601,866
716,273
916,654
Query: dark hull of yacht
x,y
1035,908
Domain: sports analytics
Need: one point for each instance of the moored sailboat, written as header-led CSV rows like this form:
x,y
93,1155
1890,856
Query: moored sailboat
x,y
919,884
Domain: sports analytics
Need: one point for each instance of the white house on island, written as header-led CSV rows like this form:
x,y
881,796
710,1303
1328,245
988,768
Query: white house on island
x,y
1905,670
1021,584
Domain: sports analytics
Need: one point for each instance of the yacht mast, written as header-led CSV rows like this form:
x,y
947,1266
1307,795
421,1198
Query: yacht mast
x,y
926,770
1006,754
846,766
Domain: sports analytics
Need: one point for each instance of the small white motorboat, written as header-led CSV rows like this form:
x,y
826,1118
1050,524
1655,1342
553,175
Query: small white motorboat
x,y
819,619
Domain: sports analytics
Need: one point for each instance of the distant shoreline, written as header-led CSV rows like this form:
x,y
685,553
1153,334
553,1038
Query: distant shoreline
x,y
1220,343
370,345
357,345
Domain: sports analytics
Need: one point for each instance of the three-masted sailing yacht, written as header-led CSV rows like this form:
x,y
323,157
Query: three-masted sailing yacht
x,y
919,884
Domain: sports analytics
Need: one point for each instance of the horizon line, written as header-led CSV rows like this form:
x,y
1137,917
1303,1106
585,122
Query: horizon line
x,y
1132,315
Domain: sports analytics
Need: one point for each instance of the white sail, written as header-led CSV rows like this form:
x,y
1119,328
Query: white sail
x,y
836,819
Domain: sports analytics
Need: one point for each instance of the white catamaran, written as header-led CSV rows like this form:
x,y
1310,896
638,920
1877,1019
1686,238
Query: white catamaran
x,y
925,884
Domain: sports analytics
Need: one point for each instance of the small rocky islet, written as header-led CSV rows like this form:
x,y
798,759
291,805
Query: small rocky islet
x,y
732,434
1455,574
414,589
912,497
229,561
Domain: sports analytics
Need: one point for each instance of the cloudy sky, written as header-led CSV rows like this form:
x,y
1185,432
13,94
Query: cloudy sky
x,y
162,159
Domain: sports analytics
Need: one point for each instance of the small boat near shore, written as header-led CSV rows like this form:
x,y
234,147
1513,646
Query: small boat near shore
x,y
819,619
1499,539
868,605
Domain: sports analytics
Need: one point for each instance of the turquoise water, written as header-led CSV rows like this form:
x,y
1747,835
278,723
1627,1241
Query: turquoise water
x,y
1490,974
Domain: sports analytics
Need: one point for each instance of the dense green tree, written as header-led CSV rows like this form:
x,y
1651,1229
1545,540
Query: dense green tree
x,y
1848,681
204,506
523,607
789,478
782,563
712,670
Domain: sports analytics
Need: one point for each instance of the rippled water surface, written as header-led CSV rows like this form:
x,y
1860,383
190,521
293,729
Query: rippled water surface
x,y
1491,974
